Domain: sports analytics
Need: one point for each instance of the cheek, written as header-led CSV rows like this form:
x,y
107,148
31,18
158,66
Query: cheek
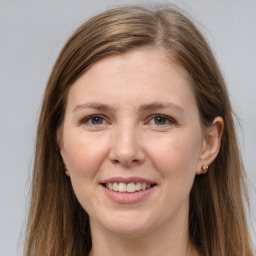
x,y
176,157
84,154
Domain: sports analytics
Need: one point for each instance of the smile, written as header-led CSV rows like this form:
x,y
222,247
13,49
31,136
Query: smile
x,y
128,190
130,187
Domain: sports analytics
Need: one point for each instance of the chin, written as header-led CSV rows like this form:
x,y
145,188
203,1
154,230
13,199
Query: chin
x,y
129,225
129,230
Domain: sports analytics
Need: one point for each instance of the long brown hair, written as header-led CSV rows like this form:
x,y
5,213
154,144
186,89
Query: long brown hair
x,y
57,224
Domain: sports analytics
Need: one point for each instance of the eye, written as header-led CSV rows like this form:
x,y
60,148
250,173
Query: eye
x,y
161,120
94,120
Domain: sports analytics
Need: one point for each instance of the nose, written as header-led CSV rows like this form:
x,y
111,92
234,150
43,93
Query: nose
x,y
126,147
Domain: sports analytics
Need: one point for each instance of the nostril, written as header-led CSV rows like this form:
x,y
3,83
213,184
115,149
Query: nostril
x,y
126,163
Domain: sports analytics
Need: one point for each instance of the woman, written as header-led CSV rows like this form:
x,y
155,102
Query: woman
x,y
136,148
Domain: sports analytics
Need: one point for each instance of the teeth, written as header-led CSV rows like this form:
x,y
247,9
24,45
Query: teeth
x,y
115,186
122,187
138,186
130,187
110,186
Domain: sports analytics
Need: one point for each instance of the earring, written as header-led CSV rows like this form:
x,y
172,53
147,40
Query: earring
x,y
205,168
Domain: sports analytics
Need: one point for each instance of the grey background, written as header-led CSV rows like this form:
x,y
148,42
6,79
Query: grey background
x,y
32,34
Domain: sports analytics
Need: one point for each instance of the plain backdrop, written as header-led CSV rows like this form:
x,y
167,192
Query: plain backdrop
x,y
31,36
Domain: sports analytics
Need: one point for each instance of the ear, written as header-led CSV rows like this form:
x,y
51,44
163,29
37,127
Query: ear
x,y
211,144
61,148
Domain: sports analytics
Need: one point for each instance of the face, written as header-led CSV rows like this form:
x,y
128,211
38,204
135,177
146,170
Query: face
x,y
131,141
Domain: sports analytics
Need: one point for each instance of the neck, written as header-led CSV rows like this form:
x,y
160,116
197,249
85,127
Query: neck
x,y
171,240
137,246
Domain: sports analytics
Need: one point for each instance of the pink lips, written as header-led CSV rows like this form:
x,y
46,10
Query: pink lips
x,y
128,198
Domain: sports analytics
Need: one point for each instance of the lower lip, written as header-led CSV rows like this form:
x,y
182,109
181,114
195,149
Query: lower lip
x,y
128,198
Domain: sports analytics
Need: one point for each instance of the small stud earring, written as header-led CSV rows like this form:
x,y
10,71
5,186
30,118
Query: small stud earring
x,y
205,168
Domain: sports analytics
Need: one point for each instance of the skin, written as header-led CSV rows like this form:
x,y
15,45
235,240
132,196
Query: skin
x,y
126,139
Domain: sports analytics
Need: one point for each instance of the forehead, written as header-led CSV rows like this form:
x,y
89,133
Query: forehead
x,y
140,75
133,61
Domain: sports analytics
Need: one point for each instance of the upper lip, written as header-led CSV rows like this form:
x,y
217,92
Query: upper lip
x,y
128,180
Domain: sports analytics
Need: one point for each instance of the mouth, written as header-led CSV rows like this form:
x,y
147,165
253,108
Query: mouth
x,y
128,190
130,187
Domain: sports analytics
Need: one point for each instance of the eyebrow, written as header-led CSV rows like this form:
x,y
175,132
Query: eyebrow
x,y
161,105
94,105
145,107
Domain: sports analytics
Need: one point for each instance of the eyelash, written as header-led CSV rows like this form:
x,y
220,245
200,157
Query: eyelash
x,y
89,119
166,119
